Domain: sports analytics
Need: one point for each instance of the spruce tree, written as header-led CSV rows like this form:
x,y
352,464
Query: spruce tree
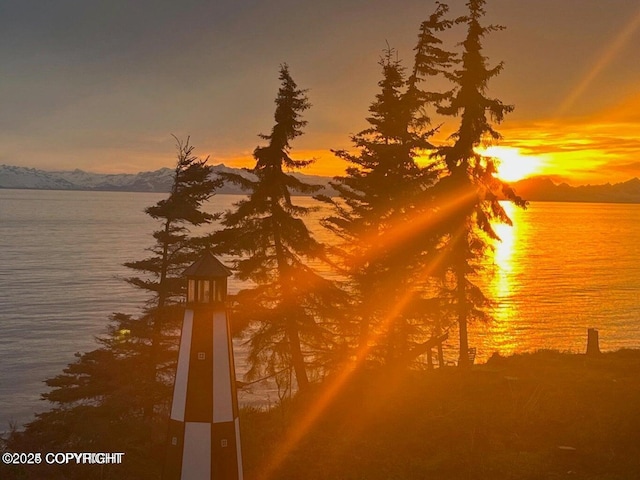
x,y
104,401
470,184
174,249
271,246
383,192
431,60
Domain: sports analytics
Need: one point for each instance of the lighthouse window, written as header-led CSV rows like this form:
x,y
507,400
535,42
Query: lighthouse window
x,y
204,291
219,290
206,298
216,291
191,291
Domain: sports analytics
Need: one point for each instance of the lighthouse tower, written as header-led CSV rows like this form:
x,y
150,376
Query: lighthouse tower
x,y
204,436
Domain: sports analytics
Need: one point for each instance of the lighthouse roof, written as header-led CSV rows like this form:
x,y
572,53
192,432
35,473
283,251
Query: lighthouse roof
x,y
207,266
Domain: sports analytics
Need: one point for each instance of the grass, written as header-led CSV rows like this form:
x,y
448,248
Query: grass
x,y
545,415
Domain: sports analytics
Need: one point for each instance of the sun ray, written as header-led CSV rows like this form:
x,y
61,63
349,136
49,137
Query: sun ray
x,y
335,385
304,425
603,61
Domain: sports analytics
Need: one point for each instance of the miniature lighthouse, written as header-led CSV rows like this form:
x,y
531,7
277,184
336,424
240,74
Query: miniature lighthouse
x,y
204,435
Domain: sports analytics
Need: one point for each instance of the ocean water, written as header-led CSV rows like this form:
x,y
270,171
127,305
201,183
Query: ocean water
x,y
61,256
561,269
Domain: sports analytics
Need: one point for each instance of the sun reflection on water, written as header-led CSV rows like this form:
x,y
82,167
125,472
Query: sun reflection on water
x,y
501,288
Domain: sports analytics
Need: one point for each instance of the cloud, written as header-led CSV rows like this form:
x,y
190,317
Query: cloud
x,y
631,168
581,149
90,81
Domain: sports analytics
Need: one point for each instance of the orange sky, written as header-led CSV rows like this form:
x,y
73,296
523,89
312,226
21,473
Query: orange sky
x,y
599,146
604,147
103,85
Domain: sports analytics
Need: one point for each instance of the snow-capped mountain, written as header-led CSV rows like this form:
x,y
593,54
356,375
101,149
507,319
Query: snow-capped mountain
x,y
155,181
22,177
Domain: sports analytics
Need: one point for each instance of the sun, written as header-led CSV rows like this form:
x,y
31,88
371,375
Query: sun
x,y
513,165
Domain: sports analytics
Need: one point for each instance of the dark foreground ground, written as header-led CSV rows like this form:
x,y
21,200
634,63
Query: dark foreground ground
x,y
538,416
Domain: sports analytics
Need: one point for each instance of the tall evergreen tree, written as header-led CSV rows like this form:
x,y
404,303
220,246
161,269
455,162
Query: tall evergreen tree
x,y
431,60
271,247
103,401
384,190
471,176
174,249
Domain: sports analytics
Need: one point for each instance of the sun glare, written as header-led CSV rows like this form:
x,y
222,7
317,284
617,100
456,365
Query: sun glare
x,y
513,165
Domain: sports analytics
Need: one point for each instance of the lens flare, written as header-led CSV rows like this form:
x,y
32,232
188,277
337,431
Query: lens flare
x,y
513,165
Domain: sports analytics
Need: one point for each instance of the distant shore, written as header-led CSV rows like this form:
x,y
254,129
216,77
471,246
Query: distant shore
x,y
539,189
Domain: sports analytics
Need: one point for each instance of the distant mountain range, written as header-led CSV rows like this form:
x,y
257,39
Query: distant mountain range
x,y
533,189
544,189
155,181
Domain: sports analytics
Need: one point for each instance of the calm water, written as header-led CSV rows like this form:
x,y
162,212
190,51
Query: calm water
x,y
561,269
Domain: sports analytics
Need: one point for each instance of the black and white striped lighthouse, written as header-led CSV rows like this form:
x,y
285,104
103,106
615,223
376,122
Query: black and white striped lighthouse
x,y
204,435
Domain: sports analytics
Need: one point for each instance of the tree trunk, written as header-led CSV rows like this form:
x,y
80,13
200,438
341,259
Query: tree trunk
x,y
297,358
158,321
463,357
440,352
291,330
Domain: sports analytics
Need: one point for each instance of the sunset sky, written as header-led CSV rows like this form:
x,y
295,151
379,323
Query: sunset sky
x,y
101,85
